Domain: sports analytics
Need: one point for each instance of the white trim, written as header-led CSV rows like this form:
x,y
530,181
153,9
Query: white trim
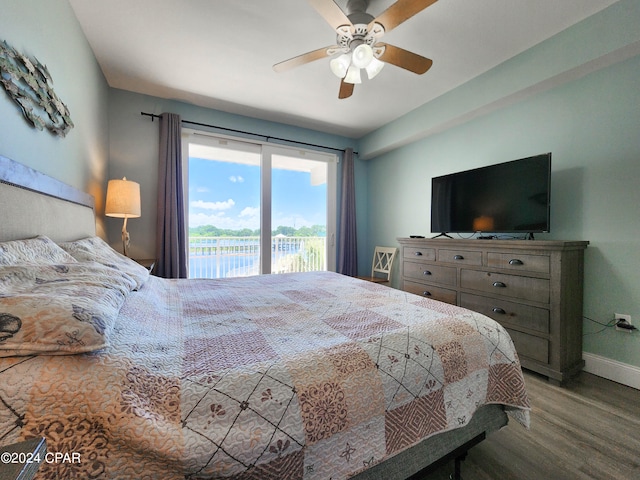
x,y
265,209
185,191
332,215
612,370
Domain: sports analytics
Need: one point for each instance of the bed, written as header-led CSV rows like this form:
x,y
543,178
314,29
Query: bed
x,y
292,376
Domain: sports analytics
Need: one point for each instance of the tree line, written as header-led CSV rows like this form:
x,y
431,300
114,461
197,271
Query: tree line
x,y
212,231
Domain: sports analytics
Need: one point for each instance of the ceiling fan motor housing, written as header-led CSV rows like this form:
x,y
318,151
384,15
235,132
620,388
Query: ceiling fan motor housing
x,y
358,6
351,36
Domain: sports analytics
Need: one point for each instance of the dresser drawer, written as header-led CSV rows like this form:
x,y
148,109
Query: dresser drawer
x,y
429,291
416,253
514,314
516,261
431,273
462,257
522,288
530,346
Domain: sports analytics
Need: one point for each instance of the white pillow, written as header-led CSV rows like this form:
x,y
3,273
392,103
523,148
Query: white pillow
x,y
59,309
33,251
95,249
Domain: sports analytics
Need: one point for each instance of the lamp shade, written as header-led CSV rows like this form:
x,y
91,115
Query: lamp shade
x,y
123,199
353,75
340,65
374,68
362,55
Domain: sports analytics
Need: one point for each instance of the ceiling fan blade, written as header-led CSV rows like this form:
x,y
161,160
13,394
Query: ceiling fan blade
x,y
404,59
346,89
304,58
399,12
331,12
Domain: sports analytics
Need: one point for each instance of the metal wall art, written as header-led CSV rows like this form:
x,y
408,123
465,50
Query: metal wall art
x,y
28,83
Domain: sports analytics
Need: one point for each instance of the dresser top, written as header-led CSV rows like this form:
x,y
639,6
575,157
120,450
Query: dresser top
x,y
483,244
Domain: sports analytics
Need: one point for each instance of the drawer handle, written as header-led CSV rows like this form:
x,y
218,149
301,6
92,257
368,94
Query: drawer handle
x,y
458,257
426,272
426,293
499,310
418,254
499,285
515,261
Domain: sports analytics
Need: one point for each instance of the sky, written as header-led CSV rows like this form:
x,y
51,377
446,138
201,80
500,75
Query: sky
x,y
227,195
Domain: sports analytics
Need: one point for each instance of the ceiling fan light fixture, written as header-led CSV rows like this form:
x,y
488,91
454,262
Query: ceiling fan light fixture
x,y
362,55
340,65
374,68
353,75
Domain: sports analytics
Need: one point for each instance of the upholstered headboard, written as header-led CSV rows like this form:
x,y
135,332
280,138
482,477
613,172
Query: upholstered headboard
x,y
32,203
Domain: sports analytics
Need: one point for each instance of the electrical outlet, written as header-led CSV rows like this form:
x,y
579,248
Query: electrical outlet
x,y
623,318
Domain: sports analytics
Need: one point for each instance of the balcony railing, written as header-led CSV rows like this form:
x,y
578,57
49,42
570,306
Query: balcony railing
x,y
221,257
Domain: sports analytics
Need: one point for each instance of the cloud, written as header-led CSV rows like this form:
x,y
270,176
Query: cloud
x,y
253,212
213,205
235,178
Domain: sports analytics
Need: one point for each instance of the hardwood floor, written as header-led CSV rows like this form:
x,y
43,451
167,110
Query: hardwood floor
x,y
589,429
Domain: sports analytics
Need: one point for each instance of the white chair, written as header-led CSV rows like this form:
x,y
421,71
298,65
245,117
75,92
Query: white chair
x,y
382,265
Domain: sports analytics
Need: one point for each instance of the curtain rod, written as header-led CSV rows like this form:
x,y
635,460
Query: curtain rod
x,y
266,137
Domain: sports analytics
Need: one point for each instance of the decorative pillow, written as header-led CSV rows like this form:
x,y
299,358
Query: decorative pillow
x,y
59,309
94,249
37,251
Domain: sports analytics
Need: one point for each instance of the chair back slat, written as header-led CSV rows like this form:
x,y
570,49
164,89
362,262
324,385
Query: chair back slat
x,y
383,261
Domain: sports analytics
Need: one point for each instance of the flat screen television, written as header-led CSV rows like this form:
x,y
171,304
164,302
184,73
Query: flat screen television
x,y
510,197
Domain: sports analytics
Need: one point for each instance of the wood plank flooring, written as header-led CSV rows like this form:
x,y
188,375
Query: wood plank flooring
x,y
589,429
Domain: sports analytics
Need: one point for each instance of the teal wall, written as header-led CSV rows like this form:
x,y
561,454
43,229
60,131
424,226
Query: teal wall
x,y
588,116
600,40
134,151
53,36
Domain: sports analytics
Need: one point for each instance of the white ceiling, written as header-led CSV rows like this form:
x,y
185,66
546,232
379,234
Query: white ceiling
x,y
219,53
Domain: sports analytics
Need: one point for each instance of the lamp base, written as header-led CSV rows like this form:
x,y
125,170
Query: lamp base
x,y
125,239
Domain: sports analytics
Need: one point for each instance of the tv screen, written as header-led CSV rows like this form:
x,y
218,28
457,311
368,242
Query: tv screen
x,y
510,197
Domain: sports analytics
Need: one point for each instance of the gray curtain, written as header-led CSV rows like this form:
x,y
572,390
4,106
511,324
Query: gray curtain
x,y
171,237
347,243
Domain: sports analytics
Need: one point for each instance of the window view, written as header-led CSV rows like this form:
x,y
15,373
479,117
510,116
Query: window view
x,y
240,191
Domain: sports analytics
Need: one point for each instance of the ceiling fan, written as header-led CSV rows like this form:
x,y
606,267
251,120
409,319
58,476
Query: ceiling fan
x,y
358,45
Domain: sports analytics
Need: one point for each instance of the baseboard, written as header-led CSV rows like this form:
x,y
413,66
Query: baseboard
x,y
612,370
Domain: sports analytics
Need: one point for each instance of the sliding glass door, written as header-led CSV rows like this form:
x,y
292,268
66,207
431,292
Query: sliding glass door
x,y
224,208
258,208
300,210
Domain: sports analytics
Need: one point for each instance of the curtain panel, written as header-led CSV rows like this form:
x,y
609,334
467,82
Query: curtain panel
x,y
347,242
171,235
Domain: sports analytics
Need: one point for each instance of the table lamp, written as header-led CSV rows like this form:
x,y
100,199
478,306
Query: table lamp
x,y
123,201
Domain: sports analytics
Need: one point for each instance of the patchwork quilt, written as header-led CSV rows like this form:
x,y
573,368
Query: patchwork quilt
x,y
293,376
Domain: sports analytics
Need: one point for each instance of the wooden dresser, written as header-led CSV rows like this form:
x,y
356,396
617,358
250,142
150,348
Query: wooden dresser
x,y
531,287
